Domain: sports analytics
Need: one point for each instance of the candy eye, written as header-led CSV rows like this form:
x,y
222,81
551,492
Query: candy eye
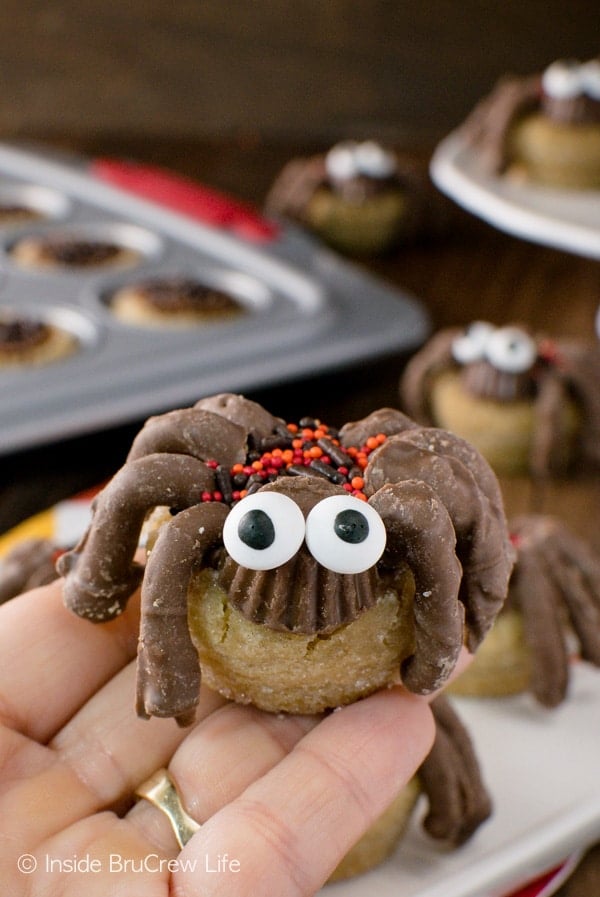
x,y
263,531
373,160
510,349
562,80
340,161
471,345
344,534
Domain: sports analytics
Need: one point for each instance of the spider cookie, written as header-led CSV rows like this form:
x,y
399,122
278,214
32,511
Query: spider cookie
x,y
173,302
526,402
553,604
62,251
361,198
543,128
28,341
300,545
300,567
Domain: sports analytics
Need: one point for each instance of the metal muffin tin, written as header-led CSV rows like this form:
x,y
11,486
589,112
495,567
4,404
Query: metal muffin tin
x,y
306,310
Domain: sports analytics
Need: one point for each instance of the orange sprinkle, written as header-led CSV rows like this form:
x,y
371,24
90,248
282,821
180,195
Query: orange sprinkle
x,y
372,442
287,456
381,438
237,468
352,451
297,443
357,482
277,452
360,495
362,461
308,434
315,452
293,428
320,432
243,493
257,465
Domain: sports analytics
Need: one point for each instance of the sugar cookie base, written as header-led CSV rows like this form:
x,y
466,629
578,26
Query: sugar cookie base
x,y
296,673
502,665
501,431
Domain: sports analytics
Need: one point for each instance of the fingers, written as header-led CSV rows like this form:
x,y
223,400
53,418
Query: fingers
x,y
288,830
225,753
96,761
52,661
319,787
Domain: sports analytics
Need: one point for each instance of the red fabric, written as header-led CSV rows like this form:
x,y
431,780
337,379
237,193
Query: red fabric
x,y
536,887
186,196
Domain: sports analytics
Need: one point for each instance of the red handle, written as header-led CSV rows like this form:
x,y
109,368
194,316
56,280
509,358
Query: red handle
x,y
185,196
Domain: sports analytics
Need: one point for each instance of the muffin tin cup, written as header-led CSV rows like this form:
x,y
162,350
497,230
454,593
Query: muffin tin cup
x,y
43,203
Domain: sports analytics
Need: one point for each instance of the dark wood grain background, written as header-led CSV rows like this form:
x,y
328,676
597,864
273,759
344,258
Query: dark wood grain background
x,y
278,69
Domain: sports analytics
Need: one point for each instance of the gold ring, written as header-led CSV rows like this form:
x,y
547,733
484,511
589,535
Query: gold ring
x,y
160,791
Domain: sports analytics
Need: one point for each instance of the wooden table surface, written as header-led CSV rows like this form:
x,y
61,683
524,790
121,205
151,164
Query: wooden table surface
x,y
468,271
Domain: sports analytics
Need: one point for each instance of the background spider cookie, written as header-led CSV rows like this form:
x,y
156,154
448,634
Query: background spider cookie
x,y
544,128
527,402
551,615
360,197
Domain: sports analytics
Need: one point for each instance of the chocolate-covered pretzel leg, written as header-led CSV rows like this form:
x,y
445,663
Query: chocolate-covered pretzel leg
x,y
385,420
537,595
488,126
101,571
450,776
578,575
583,368
168,681
256,421
463,482
434,357
420,531
549,435
570,567
30,563
191,431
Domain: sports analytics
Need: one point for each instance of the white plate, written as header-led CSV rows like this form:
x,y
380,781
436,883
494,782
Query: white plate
x,y
563,219
542,768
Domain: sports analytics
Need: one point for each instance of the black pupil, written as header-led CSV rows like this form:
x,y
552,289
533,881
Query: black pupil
x,y
351,526
256,530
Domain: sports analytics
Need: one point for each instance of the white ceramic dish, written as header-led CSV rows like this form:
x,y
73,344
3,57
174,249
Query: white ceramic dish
x,y
542,769
563,219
